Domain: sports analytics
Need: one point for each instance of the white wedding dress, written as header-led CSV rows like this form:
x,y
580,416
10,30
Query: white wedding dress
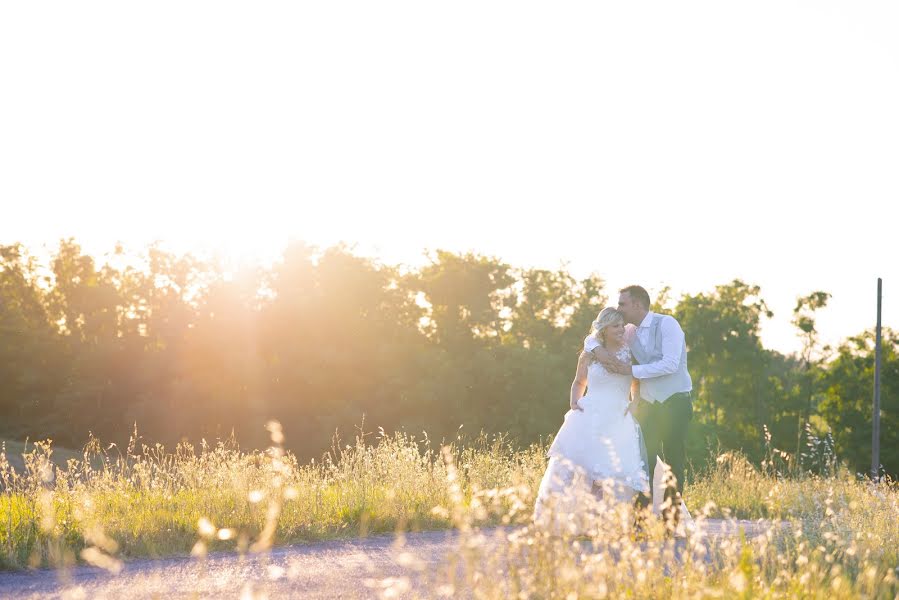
x,y
599,445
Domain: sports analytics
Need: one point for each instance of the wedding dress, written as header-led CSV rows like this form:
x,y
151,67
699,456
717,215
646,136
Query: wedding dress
x,y
599,445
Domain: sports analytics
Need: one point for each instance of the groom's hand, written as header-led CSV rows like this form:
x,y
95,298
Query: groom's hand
x,y
620,367
605,358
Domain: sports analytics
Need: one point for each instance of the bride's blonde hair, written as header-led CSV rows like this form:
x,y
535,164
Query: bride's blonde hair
x,y
607,316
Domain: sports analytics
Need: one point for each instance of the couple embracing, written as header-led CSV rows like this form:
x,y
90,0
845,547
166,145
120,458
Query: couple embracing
x,y
630,402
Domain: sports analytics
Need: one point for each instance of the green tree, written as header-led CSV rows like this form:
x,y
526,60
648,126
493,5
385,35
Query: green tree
x,y
553,310
33,365
812,356
847,404
469,296
728,366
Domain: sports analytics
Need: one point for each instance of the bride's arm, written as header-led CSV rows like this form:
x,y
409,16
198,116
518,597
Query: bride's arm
x,y
579,385
634,398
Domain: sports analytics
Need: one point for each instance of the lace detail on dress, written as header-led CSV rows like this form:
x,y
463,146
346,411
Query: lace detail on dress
x,y
623,354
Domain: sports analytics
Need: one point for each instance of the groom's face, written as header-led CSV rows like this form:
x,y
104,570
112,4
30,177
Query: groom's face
x,y
631,309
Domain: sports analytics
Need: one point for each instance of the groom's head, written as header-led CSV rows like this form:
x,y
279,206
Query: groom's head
x,y
633,303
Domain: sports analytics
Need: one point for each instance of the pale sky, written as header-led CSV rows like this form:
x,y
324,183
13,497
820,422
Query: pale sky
x,y
680,143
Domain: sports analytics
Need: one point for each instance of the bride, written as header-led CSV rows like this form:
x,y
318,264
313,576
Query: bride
x,y
598,451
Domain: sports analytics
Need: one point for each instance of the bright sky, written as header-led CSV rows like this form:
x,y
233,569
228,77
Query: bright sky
x,y
680,143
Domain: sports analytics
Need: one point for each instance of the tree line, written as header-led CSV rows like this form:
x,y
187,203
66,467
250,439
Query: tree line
x,y
328,341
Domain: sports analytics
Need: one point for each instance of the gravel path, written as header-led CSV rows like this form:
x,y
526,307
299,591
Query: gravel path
x,y
361,568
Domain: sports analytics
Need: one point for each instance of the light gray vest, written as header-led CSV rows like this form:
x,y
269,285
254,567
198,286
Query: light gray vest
x,y
659,389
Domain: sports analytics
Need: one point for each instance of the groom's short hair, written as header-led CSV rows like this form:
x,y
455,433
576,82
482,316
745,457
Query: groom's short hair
x,y
638,293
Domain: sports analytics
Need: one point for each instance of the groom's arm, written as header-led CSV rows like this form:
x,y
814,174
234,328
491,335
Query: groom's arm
x,y
606,358
672,346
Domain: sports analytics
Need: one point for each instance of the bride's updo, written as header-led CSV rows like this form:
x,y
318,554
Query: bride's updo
x,y
607,316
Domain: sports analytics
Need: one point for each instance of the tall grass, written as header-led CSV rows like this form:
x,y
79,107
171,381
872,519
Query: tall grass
x,y
148,501
841,539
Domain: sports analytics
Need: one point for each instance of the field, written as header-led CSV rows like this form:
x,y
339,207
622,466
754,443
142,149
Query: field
x,y
109,504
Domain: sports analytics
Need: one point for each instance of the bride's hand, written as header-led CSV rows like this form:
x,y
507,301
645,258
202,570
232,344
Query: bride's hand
x,y
575,406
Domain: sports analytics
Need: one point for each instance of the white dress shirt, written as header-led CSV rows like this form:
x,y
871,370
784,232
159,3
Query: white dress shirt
x,y
665,376
672,344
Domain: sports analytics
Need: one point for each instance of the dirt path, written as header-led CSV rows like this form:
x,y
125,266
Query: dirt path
x,y
361,568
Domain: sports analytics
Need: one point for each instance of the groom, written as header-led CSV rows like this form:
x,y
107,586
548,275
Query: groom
x,y
665,406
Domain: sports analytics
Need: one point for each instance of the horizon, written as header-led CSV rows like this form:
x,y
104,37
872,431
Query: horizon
x,y
776,333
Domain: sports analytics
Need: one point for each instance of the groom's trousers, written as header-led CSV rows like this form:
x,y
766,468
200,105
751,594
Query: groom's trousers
x,y
664,426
